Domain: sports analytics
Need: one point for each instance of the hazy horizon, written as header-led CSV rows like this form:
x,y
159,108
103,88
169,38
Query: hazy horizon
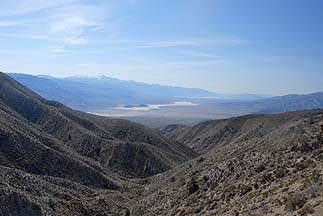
x,y
189,87
272,47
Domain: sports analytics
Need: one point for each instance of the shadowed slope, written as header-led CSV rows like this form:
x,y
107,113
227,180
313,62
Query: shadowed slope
x,y
98,138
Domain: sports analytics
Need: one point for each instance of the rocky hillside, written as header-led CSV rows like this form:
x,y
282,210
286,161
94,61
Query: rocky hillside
x,y
57,161
251,165
108,142
40,175
210,135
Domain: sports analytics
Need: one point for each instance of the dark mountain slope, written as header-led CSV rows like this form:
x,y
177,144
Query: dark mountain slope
x,y
56,161
94,137
252,165
122,130
169,129
39,175
25,147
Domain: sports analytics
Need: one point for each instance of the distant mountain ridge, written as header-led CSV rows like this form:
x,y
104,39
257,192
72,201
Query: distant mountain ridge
x,y
90,93
108,96
280,104
291,102
95,93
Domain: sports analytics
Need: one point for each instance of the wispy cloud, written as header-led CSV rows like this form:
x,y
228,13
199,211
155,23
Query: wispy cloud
x,y
79,27
159,44
73,20
198,54
19,7
229,41
79,22
11,23
215,41
207,42
124,45
66,40
59,50
129,44
65,21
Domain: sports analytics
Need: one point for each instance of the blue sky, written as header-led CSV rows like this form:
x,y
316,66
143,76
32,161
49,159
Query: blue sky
x,y
229,46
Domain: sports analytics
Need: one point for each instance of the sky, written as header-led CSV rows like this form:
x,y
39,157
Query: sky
x,y
231,46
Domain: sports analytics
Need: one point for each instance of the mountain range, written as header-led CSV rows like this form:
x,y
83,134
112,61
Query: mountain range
x,y
92,93
285,103
58,161
132,100
95,93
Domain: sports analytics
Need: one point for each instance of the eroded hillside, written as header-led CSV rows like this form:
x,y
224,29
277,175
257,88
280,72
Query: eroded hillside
x,y
57,161
252,165
100,139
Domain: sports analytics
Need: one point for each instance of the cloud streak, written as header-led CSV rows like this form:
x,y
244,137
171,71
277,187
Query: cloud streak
x,y
198,54
77,22
20,7
65,21
11,23
66,40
